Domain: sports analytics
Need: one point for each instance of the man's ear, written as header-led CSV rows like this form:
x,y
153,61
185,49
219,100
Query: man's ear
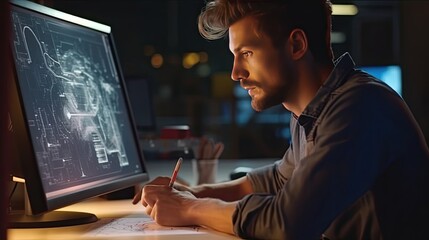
x,y
298,43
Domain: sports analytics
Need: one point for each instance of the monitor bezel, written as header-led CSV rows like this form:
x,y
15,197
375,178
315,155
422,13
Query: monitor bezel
x,y
21,132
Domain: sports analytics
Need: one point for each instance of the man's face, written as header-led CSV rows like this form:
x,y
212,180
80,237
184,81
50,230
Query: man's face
x,y
264,70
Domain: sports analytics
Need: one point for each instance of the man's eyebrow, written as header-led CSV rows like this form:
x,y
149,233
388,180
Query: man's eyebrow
x,y
244,45
238,48
250,43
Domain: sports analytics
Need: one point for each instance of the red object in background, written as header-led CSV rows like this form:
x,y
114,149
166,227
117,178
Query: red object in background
x,y
175,132
173,142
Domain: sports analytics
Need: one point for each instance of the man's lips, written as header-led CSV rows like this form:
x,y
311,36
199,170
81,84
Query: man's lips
x,y
249,90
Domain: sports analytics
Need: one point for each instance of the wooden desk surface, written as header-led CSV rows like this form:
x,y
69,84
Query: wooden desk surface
x,y
106,209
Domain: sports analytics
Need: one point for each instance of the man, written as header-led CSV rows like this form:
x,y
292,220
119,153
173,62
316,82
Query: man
x,y
358,164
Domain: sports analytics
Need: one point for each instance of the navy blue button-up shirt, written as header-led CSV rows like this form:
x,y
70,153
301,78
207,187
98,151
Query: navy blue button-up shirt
x,y
357,168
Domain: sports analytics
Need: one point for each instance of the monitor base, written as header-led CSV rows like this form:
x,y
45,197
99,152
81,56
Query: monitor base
x,y
50,219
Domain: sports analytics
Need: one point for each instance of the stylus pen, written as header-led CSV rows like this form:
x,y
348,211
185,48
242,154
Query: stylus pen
x,y
175,172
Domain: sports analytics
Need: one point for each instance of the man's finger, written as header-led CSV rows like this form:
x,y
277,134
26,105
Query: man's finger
x,y
137,197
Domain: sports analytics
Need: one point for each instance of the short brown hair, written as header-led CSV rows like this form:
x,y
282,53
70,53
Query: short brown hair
x,y
277,18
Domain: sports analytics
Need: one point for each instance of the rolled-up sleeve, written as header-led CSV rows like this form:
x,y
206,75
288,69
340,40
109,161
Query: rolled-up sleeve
x,y
266,181
271,178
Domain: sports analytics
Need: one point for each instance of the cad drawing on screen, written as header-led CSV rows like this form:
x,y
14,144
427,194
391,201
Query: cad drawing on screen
x,y
72,83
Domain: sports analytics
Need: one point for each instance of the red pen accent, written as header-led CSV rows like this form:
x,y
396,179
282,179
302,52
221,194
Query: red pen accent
x,y
175,172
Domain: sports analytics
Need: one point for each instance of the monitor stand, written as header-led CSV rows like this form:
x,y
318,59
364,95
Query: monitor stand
x,y
25,219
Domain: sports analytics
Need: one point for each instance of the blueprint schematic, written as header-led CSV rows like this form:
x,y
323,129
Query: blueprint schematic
x,y
74,104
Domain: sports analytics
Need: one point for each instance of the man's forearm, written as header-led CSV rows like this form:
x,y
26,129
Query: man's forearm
x,y
213,213
226,191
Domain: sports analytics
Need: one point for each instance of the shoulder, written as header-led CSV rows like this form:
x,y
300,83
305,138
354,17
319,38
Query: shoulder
x,y
363,92
363,103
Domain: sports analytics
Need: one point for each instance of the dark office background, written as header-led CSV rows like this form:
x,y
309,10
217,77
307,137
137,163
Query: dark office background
x,y
159,40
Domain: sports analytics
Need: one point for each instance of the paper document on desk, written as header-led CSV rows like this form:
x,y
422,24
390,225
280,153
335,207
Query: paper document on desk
x,y
136,226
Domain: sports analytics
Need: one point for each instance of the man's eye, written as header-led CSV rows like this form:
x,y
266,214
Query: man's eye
x,y
246,54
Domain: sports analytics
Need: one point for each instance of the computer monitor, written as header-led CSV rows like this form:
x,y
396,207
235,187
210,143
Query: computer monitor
x,y
70,113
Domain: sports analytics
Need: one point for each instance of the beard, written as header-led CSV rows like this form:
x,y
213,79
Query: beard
x,y
267,98
277,90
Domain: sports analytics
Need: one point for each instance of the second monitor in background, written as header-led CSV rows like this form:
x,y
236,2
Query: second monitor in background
x,y
390,74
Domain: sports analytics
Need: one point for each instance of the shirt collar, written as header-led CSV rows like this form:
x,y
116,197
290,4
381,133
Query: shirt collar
x,y
343,65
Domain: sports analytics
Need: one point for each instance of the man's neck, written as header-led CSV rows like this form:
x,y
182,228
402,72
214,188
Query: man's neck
x,y
307,86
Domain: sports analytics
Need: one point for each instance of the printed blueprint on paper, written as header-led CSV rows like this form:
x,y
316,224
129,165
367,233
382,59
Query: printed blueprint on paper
x,y
73,101
136,227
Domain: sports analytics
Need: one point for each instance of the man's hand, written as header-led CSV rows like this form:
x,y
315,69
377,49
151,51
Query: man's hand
x,y
167,206
160,181
170,207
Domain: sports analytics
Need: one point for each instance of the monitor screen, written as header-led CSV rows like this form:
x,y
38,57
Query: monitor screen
x,y
71,114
